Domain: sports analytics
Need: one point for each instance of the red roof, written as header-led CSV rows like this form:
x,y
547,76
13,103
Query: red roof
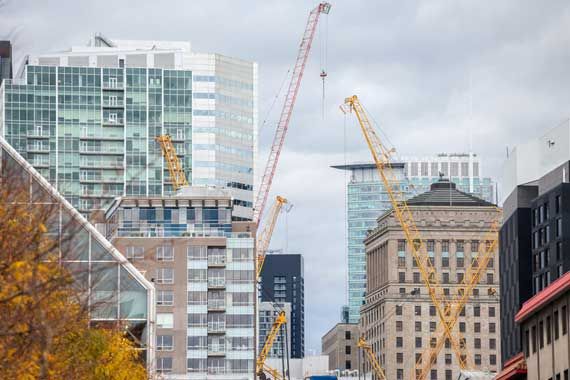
x,y
514,367
543,297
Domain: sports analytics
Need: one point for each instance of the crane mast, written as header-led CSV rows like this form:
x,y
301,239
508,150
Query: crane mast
x,y
376,367
287,109
381,156
264,237
260,365
174,166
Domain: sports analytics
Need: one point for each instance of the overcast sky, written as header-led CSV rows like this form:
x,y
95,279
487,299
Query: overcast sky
x,y
429,72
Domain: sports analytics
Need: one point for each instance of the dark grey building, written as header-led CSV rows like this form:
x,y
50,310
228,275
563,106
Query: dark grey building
x,y
533,240
514,262
5,60
282,281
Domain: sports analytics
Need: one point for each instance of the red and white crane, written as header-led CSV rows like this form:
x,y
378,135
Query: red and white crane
x,y
287,109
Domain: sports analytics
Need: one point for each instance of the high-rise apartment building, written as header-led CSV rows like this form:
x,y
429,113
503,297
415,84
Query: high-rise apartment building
x,y
5,60
367,199
535,231
87,119
282,281
267,312
202,265
399,318
117,290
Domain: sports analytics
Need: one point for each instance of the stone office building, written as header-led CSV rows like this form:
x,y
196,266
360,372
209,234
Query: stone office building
x,y
202,266
398,318
340,345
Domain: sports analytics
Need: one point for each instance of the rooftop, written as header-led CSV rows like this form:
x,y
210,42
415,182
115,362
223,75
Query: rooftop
x,y
445,193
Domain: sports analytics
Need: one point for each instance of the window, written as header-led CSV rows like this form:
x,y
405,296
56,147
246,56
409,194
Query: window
x,y
492,327
460,277
492,343
398,309
548,330
401,276
555,323
476,311
348,364
164,253
447,358
164,364
399,357
401,246
491,311
474,246
432,326
430,245
164,297
402,259
165,276
418,326
477,359
533,333
135,253
541,334
433,374
448,374
477,327
164,343
347,335
460,259
418,310
445,246
462,327
165,320
399,341
418,342
564,321
445,277
557,204
399,374
399,326
347,350
196,253
493,359
445,259
490,278
526,344
475,292
432,311
477,343
416,277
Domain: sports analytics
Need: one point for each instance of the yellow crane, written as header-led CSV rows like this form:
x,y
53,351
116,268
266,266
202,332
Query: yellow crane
x,y
260,366
471,279
376,367
264,237
174,166
382,157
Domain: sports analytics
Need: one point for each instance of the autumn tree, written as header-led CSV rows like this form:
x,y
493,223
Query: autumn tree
x,y
44,310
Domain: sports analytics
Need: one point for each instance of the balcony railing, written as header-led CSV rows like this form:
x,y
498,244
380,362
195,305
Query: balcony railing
x,y
216,349
216,304
216,327
216,260
217,282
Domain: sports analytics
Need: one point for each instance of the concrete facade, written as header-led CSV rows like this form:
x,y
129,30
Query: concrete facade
x,y
340,345
398,318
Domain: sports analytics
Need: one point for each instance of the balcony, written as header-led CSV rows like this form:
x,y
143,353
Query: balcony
x,y
103,180
100,165
113,86
113,122
106,137
216,261
216,327
216,305
94,150
216,283
38,134
118,105
37,148
216,350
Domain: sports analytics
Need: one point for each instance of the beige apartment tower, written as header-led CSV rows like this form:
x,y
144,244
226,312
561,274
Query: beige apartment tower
x,y
398,318
202,265
339,344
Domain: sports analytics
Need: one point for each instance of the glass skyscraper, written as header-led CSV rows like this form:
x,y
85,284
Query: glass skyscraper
x,y
87,119
367,199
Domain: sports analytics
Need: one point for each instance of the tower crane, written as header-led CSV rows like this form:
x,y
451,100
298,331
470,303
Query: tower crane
x,y
376,367
264,237
174,166
287,110
381,155
260,366
470,280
